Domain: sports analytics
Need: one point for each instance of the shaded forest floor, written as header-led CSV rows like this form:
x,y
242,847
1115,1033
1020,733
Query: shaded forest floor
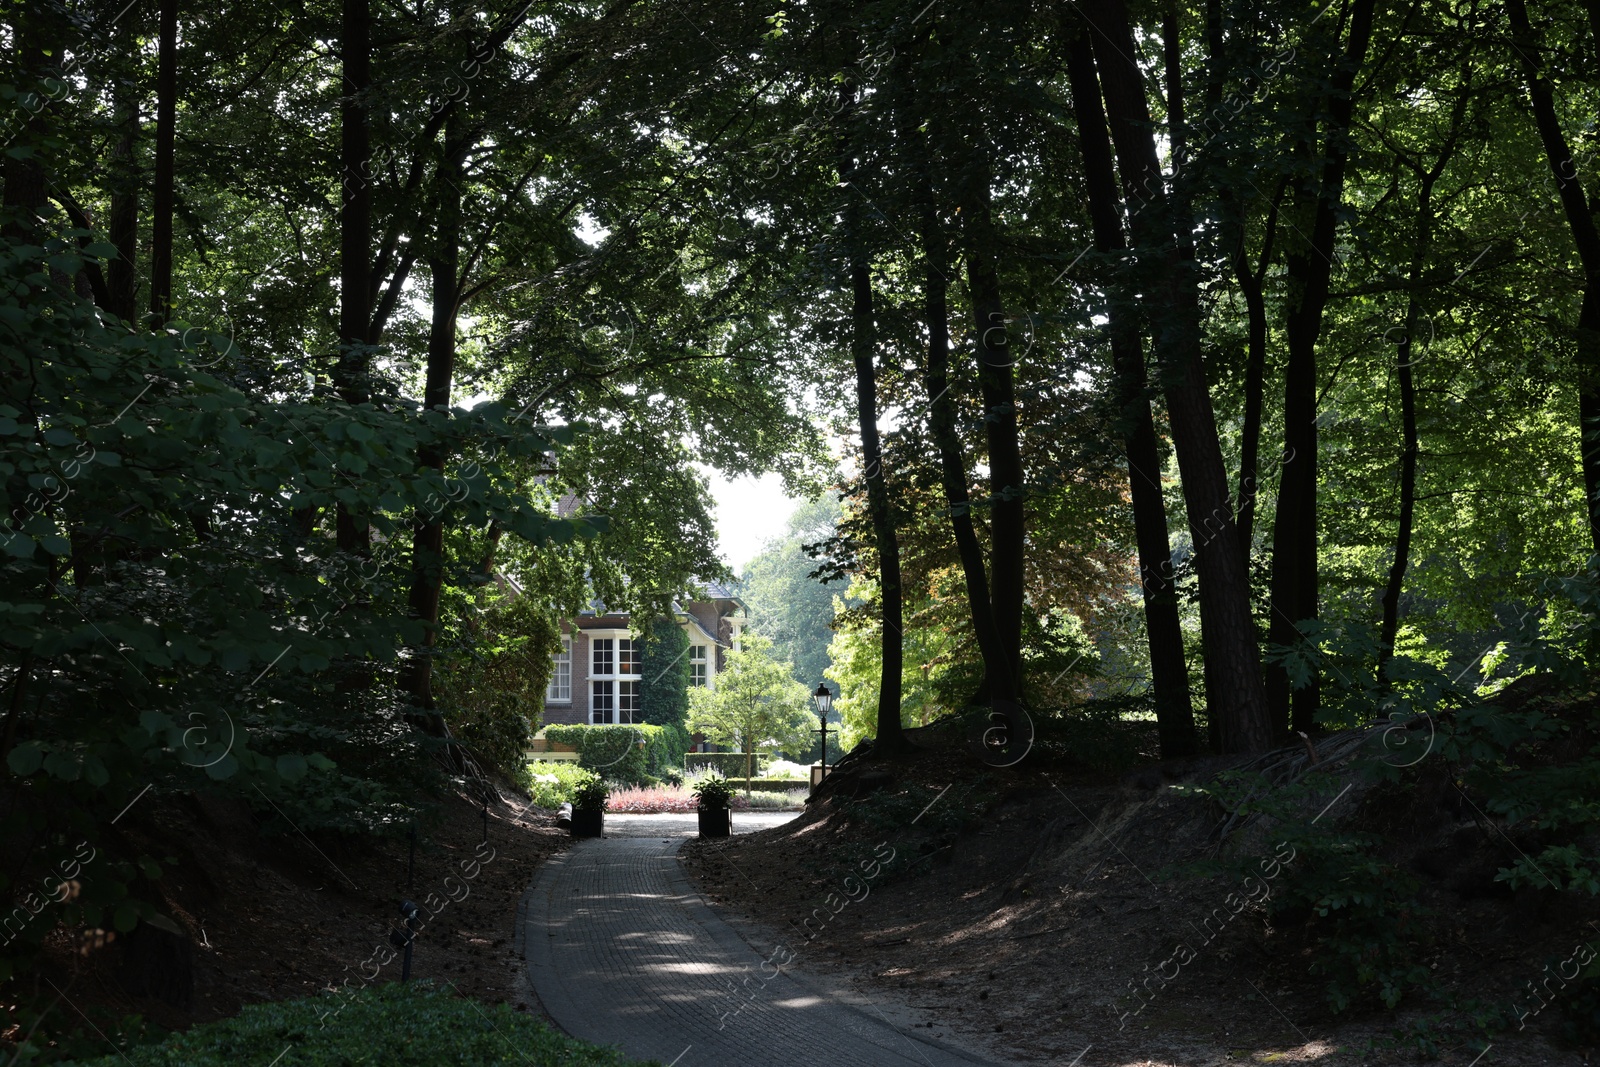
x,y
1023,906
281,915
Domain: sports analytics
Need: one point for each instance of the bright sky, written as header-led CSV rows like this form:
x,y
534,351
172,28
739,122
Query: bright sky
x,y
749,512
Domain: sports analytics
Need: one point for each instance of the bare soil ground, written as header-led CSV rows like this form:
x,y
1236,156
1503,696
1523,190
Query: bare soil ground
x,y
1028,910
286,915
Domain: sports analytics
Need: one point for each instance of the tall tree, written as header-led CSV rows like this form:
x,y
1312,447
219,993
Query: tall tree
x,y
1407,353
165,192
1585,236
863,356
351,369
1308,268
1238,707
918,131
1007,533
1158,587
427,552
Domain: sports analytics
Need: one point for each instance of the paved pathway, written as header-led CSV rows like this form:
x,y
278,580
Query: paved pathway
x,y
622,950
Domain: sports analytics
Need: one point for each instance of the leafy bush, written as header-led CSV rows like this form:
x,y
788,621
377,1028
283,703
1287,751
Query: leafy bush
x,y
1101,735
591,796
1361,911
391,1024
782,768
713,794
491,678
556,782
169,625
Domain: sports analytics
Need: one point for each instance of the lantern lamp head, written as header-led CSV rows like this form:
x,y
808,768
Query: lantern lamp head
x,y
823,699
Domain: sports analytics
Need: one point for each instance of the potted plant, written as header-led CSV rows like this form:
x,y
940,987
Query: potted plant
x,y
713,799
589,808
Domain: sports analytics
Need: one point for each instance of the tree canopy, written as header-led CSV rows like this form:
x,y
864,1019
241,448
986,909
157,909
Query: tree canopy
x,y
1230,360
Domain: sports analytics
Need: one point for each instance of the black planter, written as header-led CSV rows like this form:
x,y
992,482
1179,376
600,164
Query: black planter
x,y
588,822
715,822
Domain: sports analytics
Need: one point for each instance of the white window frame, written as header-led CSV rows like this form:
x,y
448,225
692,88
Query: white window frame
x,y
700,665
613,678
553,693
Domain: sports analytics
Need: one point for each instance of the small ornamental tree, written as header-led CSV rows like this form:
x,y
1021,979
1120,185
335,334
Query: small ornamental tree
x,y
756,702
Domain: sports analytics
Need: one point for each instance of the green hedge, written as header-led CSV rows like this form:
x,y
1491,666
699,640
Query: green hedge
x,y
613,752
411,1025
730,764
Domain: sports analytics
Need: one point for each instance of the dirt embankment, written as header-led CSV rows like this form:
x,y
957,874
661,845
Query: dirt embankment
x,y
1031,910
273,916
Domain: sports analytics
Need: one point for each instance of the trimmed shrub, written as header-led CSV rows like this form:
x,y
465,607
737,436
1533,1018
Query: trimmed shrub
x,y
614,752
411,1025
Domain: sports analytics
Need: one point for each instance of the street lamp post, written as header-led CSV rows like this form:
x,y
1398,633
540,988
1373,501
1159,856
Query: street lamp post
x,y
823,700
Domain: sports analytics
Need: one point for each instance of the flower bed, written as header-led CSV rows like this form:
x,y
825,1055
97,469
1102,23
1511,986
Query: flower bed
x,y
679,800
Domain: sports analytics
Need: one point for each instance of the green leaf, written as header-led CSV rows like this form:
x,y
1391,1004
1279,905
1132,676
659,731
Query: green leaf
x,y
224,768
62,766
94,772
292,768
126,917
25,758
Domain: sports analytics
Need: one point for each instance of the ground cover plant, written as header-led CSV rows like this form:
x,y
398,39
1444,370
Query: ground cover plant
x,y
386,1024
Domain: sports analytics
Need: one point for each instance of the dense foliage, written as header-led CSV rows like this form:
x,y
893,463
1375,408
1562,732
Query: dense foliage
x,y
1225,363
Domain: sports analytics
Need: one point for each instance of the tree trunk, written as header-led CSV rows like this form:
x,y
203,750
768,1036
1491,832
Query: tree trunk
x,y
1408,473
1308,268
427,539
890,738
24,196
942,420
355,233
163,197
1580,221
1252,285
1168,673
122,280
1238,706
1007,533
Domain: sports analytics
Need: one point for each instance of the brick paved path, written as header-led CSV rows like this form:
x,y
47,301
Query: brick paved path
x,y
622,950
